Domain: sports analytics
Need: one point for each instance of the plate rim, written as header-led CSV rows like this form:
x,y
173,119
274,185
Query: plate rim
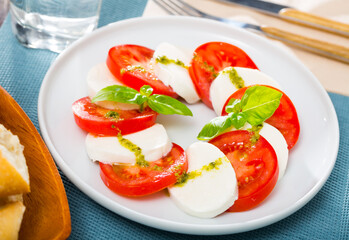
x,y
165,224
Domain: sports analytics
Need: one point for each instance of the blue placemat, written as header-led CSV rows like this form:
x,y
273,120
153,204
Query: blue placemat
x,y
326,216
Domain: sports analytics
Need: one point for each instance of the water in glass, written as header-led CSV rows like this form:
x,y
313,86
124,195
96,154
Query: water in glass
x,y
53,24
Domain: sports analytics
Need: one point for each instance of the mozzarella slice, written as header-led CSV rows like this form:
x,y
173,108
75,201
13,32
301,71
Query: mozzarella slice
x,y
277,141
210,193
100,77
153,141
222,87
174,75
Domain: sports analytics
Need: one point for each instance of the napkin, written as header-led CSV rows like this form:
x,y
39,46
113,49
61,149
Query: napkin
x,y
333,75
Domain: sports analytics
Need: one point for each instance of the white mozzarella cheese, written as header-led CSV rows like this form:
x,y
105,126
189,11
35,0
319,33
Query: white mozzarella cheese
x,y
222,87
153,141
174,75
210,193
100,77
278,142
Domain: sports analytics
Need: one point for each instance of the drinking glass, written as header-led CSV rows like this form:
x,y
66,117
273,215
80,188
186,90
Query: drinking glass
x,y
3,10
53,24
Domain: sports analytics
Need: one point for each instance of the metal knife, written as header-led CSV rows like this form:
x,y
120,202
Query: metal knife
x,y
296,16
337,52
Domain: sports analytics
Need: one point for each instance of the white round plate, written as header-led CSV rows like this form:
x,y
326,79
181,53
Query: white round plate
x,y
310,162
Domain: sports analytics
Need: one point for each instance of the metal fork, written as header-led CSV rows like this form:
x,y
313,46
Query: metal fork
x,y
337,52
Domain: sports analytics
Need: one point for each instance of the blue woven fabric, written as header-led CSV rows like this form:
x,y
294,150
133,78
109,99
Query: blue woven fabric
x,y
326,216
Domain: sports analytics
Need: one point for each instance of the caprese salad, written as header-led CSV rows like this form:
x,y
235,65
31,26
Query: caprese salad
x,y
239,156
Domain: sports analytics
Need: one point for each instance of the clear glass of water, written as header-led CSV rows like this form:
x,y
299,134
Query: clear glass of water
x,y
3,10
53,24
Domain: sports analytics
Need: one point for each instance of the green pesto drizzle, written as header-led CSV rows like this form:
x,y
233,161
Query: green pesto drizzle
x,y
183,178
165,60
157,168
131,68
112,114
235,78
204,65
140,160
255,129
211,69
178,172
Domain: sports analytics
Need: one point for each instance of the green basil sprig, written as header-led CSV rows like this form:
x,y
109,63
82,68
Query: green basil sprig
x,y
159,103
256,105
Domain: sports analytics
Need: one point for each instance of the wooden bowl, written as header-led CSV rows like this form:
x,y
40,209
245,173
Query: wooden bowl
x,y
47,213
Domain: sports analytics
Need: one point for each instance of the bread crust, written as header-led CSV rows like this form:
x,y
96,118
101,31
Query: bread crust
x,y
14,176
14,181
11,216
11,182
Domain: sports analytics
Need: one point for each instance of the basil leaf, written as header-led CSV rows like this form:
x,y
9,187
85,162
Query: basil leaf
x,y
167,105
146,90
122,94
215,127
234,105
238,119
259,103
256,105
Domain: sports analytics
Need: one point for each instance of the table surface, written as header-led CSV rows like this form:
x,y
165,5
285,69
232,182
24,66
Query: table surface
x,y
326,216
333,75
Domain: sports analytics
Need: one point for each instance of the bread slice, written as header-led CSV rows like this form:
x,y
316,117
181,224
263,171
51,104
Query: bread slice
x,y
11,215
14,176
11,199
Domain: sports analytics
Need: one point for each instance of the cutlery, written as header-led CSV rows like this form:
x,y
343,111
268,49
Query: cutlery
x,y
294,15
47,213
337,52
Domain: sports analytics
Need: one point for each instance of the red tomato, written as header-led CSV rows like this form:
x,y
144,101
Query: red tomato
x,y
255,165
132,180
130,64
92,118
209,59
285,118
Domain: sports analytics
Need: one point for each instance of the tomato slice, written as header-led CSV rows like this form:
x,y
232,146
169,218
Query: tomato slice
x,y
211,58
285,118
139,181
255,165
92,118
131,65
